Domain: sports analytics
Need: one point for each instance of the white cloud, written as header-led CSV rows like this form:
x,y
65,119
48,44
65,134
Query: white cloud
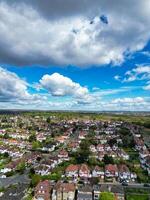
x,y
118,104
117,77
11,86
59,85
131,104
147,87
36,39
14,89
138,73
128,100
146,53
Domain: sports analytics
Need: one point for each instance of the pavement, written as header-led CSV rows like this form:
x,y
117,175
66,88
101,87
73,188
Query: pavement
x,y
15,192
6,182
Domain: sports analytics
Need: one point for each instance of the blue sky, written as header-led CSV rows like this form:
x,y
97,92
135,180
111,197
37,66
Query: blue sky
x,y
75,61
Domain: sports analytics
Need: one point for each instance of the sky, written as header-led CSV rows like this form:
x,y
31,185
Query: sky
x,y
75,55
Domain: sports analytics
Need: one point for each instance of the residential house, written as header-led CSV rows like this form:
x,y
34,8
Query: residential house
x,y
92,148
117,190
84,171
124,173
96,192
111,170
73,146
100,147
98,172
72,171
64,191
82,135
42,169
42,191
85,193
101,155
143,153
63,155
122,154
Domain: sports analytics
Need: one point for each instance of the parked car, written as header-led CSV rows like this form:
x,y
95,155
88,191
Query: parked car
x,y
146,185
124,184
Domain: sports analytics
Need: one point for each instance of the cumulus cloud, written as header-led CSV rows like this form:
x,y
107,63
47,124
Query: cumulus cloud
x,y
59,85
11,86
14,89
50,33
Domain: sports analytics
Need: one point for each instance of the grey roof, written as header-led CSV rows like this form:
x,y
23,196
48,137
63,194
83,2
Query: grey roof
x,y
96,187
117,189
85,188
84,196
112,188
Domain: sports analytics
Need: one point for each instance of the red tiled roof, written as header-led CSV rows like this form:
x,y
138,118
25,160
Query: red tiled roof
x,y
84,168
43,190
65,187
111,168
123,168
71,168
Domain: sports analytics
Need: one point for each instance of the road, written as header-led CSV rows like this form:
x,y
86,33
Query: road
x,y
136,185
5,182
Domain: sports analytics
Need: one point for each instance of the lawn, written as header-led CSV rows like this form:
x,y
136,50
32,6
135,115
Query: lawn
x,y
137,197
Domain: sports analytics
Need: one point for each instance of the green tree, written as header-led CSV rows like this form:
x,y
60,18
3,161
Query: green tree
x,y
35,180
48,120
93,161
6,136
6,155
32,138
108,160
84,152
36,145
21,167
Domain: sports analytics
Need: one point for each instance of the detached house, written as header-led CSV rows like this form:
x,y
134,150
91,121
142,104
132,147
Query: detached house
x,y
139,144
101,155
98,172
84,171
82,135
100,147
42,191
111,170
92,148
124,173
72,171
73,146
122,154
143,153
63,155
